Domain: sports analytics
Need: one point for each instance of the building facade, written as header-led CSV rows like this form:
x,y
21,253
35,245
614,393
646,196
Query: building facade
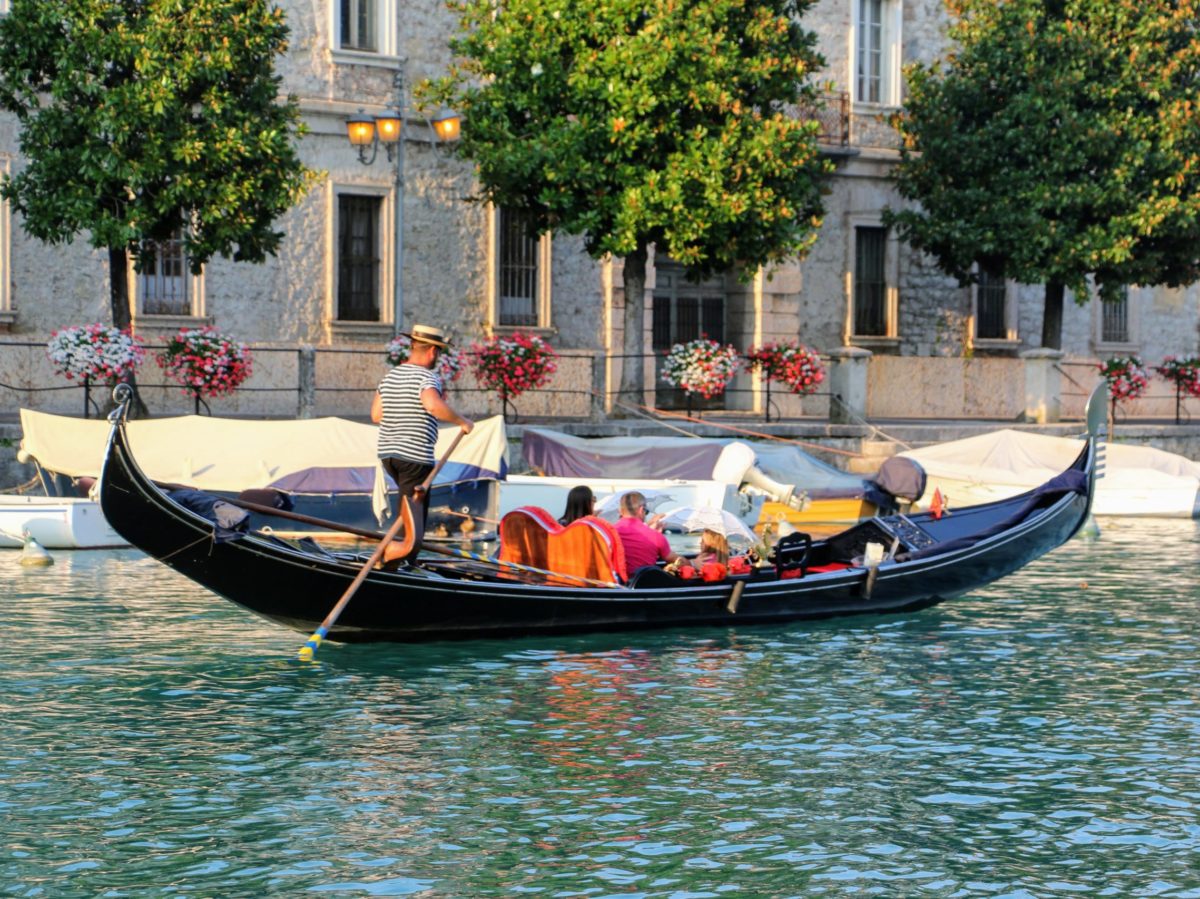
x,y
375,247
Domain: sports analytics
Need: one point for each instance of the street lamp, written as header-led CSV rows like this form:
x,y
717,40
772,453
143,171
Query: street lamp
x,y
447,125
366,132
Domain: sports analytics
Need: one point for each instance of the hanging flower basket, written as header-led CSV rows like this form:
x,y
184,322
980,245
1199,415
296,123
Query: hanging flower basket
x,y
449,365
1126,376
513,364
700,367
205,362
793,365
96,353
1183,373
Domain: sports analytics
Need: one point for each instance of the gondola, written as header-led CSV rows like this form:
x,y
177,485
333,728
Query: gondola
x,y
927,560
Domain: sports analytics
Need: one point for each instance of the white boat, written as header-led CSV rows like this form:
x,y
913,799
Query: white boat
x,y
672,473
1135,480
760,483
663,495
55,523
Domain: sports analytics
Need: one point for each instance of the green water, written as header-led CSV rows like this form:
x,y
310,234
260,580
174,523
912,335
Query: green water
x,y
1040,738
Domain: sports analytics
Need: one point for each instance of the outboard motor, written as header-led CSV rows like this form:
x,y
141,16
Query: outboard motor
x,y
899,483
736,466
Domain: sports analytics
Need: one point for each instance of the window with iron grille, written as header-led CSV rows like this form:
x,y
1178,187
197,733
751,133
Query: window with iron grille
x,y
518,276
683,311
870,285
683,318
358,258
162,284
1114,322
991,314
870,52
358,25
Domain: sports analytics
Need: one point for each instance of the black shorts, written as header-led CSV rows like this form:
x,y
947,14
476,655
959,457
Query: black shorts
x,y
408,475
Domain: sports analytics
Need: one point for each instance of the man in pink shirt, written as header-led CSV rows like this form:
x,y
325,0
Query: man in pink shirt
x,y
643,544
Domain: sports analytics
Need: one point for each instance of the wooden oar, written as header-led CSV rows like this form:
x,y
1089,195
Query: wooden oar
x,y
404,518
411,517
307,519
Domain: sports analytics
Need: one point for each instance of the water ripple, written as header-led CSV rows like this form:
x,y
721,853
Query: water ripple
x,y
1039,738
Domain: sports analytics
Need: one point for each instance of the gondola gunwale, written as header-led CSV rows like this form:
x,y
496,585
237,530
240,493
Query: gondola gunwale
x,y
620,603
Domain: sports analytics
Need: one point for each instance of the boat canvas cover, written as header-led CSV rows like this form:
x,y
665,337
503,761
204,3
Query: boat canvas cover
x,y
684,458
1133,476
792,465
318,455
563,456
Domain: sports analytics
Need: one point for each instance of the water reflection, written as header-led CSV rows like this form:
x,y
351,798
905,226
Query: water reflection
x,y
1037,738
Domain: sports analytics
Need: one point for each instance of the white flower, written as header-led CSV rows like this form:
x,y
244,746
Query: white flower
x,y
536,69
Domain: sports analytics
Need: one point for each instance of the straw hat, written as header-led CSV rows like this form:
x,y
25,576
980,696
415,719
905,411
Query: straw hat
x,y
428,334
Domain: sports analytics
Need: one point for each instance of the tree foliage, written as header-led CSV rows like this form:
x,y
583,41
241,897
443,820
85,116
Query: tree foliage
x,y
140,118
671,124
1058,142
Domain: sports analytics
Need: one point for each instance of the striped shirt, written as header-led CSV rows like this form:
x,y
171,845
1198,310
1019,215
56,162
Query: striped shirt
x,y
407,431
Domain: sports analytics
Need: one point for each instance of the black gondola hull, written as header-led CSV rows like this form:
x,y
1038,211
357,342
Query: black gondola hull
x,y
297,589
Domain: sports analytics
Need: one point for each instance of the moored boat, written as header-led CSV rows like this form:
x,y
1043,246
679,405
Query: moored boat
x,y
1138,480
55,522
324,468
768,483
890,564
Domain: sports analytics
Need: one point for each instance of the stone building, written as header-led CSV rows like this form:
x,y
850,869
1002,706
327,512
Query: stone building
x,y
377,246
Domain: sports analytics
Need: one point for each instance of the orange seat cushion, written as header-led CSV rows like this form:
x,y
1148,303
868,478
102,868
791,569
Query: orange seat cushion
x,y
588,547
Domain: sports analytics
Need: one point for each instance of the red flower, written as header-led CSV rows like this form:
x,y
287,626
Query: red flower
x,y
205,362
513,364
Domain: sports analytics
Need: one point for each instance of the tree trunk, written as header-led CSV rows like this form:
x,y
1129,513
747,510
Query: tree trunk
x,y
122,317
1052,317
632,389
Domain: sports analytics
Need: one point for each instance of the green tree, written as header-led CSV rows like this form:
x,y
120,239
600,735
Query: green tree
x,y
671,124
142,118
1058,143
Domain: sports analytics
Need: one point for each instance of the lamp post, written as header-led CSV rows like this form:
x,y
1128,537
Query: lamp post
x,y
367,132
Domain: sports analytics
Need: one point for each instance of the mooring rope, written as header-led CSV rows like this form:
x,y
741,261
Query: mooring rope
x,y
734,428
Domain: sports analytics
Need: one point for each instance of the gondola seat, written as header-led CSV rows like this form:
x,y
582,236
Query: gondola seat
x,y
588,547
791,555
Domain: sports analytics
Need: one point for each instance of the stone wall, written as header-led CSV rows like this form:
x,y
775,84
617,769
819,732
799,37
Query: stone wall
x,y
941,387
447,266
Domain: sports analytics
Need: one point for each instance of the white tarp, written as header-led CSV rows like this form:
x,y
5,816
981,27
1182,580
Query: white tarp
x,y
225,454
1137,480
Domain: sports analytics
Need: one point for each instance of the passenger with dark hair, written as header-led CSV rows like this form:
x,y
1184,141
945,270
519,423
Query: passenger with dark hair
x,y
580,502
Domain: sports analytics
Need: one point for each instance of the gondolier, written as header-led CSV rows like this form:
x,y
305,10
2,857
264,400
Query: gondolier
x,y
407,406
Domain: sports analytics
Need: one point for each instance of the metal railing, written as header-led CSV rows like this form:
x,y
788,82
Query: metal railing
x,y
305,381
312,381
831,112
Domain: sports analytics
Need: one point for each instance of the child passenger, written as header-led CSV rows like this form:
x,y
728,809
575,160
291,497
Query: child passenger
x,y
713,548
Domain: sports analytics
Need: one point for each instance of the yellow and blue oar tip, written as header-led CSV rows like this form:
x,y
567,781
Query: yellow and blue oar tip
x,y
307,650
